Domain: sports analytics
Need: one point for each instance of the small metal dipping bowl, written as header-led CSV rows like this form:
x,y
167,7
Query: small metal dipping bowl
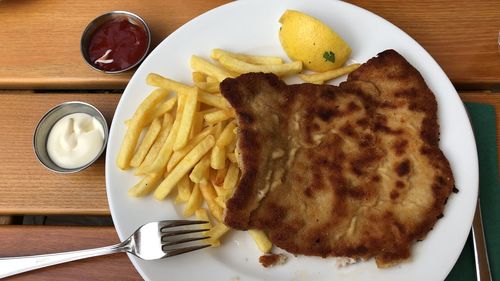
x,y
97,22
47,122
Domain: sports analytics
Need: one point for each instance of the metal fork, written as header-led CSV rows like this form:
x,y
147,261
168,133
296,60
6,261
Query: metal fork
x,y
483,272
152,241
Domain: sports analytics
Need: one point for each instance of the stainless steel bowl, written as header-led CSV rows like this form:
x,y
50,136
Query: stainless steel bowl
x,y
97,22
47,122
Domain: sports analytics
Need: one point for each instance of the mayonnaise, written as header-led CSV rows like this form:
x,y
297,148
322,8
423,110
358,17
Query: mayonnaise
x,y
75,140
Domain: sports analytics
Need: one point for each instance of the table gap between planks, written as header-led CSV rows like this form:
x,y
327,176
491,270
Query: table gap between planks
x,y
39,53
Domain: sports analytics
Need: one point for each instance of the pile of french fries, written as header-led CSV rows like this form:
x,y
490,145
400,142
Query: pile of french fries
x,y
186,143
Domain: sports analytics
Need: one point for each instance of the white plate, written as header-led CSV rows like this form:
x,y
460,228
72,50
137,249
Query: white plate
x,y
252,27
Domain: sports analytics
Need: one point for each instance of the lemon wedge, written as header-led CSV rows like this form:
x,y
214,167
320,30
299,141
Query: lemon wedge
x,y
307,39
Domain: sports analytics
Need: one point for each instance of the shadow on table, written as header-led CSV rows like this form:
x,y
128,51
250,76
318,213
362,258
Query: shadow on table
x,y
65,220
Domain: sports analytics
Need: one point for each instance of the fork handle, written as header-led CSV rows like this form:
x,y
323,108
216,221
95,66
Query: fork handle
x,y
14,265
483,272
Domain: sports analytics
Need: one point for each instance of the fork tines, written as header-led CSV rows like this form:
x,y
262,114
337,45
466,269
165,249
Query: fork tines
x,y
166,234
171,238
173,223
173,252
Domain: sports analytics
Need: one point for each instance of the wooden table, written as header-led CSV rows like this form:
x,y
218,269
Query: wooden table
x,y
41,66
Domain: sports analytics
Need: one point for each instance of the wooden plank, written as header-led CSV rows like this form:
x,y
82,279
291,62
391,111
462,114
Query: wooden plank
x,y
41,49
33,240
461,35
26,186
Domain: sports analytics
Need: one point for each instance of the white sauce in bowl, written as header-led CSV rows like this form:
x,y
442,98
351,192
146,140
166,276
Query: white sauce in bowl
x,y
75,140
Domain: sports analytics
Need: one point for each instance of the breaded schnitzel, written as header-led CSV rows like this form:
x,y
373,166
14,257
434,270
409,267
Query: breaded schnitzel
x,y
353,170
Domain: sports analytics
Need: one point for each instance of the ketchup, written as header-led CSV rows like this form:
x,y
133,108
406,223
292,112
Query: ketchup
x,y
125,43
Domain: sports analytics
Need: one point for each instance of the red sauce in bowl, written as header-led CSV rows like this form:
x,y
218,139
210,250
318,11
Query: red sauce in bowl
x,y
125,42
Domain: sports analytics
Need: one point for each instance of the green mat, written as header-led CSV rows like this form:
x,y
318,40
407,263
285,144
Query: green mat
x,y
484,124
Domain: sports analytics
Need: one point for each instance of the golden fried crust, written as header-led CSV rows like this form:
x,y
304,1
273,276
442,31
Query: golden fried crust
x,y
259,134
352,171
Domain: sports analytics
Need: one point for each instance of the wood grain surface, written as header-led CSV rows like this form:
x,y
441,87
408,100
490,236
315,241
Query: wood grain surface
x,y
40,39
41,48
33,240
461,35
26,187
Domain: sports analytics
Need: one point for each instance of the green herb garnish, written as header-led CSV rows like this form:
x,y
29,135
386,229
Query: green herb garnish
x,y
329,56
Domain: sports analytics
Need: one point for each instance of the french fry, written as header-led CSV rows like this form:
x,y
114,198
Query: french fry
x,y
165,107
160,110
220,191
209,194
217,53
178,198
218,158
155,148
147,142
157,80
225,194
263,243
184,189
213,100
198,77
201,65
135,126
211,79
166,149
186,164
226,189
145,186
194,202
168,121
218,129
218,154
200,169
219,116
197,124
227,136
231,178
217,232
239,66
231,157
329,75
209,110
179,154
186,122
163,156
232,146
211,87
220,200
220,175
202,214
